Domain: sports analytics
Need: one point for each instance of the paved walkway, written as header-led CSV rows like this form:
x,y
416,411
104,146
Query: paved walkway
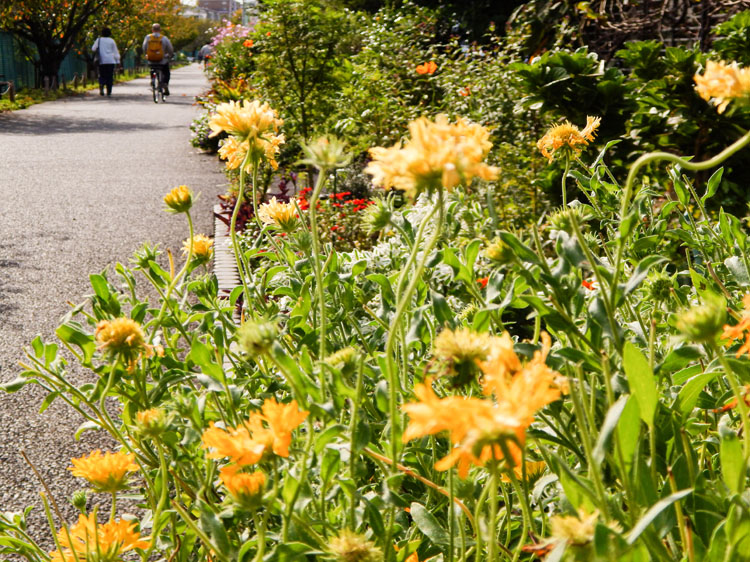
x,y
81,187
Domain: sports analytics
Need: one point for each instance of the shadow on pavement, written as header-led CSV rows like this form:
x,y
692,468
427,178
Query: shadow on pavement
x,y
20,124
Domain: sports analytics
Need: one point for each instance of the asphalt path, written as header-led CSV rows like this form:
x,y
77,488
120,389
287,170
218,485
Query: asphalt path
x,y
81,187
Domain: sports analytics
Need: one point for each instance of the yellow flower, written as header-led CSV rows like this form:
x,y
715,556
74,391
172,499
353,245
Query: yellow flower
x,y
722,82
245,488
352,547
244,119
202,248
253,127
179,200
438,153
575,529
568,138
90,541
477,427
106,472
534,470
269,430
124,337
283,215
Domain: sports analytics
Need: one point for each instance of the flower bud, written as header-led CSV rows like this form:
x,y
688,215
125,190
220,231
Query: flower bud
x,y
326,153
256,337
377,216
499,252
703,322
151,422
79,499
353,547
179,200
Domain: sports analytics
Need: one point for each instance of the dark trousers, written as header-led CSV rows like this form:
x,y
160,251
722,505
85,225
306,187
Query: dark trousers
x,y
106,76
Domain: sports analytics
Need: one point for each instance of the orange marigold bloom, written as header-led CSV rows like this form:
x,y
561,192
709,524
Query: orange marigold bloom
x,y
439,153
245,488
477,427
427,68
722,82
124,337
568,138
267,431
106,472
741,329
88,540
247,43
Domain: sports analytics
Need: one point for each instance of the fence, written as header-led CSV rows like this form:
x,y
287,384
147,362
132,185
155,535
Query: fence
x,y
14,67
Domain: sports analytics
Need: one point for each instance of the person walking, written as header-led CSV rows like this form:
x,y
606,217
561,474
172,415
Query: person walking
x,y
105,50
159,51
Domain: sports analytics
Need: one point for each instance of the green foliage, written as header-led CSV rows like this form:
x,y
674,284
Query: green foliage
x,y
733,39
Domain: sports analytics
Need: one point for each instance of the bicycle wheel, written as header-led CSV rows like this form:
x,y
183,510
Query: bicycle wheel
x,y
161,86
154,87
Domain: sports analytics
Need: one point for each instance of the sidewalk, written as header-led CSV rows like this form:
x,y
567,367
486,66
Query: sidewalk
x,y
81,185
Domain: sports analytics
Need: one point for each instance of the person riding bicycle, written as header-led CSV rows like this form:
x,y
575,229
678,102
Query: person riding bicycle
x,y
159,51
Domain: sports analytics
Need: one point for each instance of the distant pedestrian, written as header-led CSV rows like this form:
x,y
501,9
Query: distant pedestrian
x,y
159,51
205,54
105,51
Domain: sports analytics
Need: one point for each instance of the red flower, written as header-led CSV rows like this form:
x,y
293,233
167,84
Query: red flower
x,y
483,281
247,43
588,284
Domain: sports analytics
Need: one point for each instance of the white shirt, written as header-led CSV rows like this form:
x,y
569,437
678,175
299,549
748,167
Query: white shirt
x,y
108,53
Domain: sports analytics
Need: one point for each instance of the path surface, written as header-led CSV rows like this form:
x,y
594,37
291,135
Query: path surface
x,y
81,187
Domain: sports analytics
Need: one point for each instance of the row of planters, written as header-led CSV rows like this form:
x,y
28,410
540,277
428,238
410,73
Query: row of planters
x,y
425,382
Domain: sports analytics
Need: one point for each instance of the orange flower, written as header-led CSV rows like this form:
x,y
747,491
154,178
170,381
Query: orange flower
x,y
742,329
268,430
103,542
106,472
588,285
427,68
247,43
478,427
483,282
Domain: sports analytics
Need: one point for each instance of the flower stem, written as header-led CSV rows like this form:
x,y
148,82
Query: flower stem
x,y
565,181
233,229
322,175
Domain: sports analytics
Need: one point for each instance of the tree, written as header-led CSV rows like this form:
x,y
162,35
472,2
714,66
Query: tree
x,y
52,26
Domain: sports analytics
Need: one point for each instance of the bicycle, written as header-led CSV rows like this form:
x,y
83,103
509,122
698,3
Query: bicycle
x,y
157,84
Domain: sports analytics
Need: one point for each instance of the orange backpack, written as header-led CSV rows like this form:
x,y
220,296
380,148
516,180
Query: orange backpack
x,y
154,52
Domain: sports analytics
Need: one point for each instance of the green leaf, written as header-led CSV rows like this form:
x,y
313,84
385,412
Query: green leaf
x,y
214,528
73,333
15,385
86,426
654,512
642,382
690,391
732,462
327,436
100,286
522,251
629,430
429,525
713,184
608,427
737,268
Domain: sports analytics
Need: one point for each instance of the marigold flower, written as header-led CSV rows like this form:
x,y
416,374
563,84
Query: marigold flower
x,y
438,153
106,472
90,541
244,119
246,488
575,529
124,337
202,248
264,432
534,470
477,426
722,83
427,68
179,200
353,547
568,138
283,215
254,126
247,43
741,329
